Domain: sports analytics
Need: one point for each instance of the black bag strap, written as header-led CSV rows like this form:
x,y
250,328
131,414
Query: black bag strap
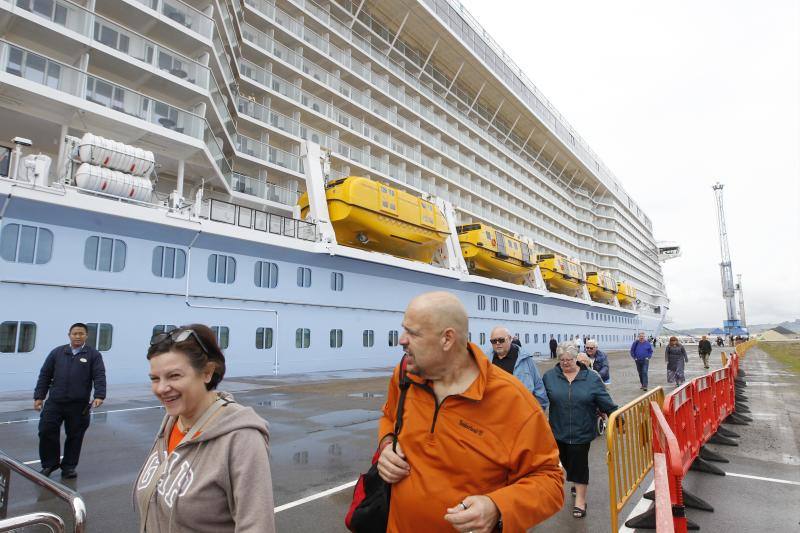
x,y
404,384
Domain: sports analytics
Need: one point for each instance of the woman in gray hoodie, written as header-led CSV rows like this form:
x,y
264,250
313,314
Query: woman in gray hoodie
x,y
208,470
675,357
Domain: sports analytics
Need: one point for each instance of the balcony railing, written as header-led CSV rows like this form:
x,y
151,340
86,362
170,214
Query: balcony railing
x,y
183,14
263,189
246,217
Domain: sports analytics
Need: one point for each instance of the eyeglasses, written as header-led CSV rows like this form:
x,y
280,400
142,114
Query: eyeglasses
x,y
566,360
176,336
501,340
591,347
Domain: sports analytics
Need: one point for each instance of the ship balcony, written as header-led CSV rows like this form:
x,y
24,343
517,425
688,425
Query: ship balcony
x,y
167,15
18,62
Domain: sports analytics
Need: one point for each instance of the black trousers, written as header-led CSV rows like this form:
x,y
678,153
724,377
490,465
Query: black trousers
x,y
552,353
75,417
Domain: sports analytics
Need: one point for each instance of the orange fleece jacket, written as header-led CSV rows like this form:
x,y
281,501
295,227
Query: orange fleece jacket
x,y
493,439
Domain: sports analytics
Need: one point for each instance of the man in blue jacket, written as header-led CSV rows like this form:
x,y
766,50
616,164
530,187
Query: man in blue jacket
x,y
642,351
510,358
600,360
68,374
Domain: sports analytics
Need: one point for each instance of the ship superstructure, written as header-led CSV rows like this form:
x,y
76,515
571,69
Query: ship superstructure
x,y
227,95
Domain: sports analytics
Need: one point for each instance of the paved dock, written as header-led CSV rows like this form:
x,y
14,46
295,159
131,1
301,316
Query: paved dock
x,y
323,433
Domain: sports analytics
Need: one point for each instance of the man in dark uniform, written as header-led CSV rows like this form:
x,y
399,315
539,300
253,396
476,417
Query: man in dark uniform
x,y
553,346
68,373
704,349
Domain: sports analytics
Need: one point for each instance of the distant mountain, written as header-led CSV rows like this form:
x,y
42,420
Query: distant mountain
x,y
793,325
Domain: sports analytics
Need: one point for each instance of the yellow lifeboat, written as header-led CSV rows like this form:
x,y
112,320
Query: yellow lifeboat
x,y
560,274
372,216
493,254
602,286
626,294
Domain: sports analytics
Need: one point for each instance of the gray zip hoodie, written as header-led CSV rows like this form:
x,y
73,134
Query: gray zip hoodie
x,y
217,482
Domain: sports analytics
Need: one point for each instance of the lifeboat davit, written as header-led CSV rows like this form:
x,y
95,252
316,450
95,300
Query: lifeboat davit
x,y
602,286
493,254
372,216
560,274
626,294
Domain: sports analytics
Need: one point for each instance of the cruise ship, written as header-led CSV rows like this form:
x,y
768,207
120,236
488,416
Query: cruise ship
x,y
154,156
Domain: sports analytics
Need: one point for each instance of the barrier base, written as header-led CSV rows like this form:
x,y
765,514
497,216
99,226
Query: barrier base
x,y
689,500
647,520
719,439
741,398
739,382
741,408
742,372
737,419
699,465
725,432
709,455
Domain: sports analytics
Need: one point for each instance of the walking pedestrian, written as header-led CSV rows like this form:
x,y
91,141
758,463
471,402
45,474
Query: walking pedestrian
x,y
475,452
642,351
66,379
553,346
208,470
516,342
510,358
675,357
599,360
576,394
704,349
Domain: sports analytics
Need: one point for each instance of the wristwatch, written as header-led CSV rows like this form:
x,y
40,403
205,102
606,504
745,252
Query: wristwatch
x,y
499,525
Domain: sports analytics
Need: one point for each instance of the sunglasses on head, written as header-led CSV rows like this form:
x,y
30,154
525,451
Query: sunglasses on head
x,y
500,340
176,336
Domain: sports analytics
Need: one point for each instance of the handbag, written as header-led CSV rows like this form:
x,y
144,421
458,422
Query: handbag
x,y
369,510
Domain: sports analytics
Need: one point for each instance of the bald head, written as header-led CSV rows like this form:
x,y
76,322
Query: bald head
x,y
441,310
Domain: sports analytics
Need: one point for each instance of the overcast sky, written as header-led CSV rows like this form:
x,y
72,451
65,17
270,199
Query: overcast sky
x,y
675,96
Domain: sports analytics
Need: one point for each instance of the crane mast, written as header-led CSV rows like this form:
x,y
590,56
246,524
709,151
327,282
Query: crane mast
x,y
740,290
726,272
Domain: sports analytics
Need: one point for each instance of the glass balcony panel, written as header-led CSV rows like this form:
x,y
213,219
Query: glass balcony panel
x,y
62,13
183,14
39,69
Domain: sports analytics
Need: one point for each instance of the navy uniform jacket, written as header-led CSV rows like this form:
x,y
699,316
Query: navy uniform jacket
x,y
69,378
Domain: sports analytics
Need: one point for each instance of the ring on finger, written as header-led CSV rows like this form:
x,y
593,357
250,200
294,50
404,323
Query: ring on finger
x,y
462,504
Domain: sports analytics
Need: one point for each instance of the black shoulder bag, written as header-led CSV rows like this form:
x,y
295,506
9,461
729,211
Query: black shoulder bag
x,y
369,510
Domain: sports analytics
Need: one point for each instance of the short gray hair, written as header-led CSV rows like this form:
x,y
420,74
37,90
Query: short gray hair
x,y
567,348
591,342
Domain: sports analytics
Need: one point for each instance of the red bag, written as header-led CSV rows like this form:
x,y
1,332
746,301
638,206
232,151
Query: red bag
x,y
369,510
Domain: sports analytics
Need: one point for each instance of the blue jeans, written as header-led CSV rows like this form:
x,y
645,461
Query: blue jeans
x,y
641,366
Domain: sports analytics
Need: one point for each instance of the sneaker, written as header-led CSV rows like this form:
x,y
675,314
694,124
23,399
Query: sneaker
x,y
68,473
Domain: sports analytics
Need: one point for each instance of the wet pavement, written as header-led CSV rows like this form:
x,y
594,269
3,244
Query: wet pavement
x,y
323,433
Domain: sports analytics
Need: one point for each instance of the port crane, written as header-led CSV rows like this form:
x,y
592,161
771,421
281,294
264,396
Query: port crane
x,y
732,325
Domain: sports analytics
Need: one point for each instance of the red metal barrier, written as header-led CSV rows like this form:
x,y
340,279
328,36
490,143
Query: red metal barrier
x,y
665,442
705,420
680,413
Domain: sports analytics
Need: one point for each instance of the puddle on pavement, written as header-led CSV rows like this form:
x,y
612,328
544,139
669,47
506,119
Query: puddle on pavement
x,y
273,403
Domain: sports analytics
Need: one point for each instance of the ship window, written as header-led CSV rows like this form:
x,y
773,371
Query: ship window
x,y
527,338
302,338
393,338
525,308
337,281
19,337
104,254
536,338
483,338
368,338
493,303
303,277
162,328
516,307
169,262
221,269
488,235
263,338
587,314
223,335
265,274
559,337
469,335
336,338
536,309
26,244
100,336
481,302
